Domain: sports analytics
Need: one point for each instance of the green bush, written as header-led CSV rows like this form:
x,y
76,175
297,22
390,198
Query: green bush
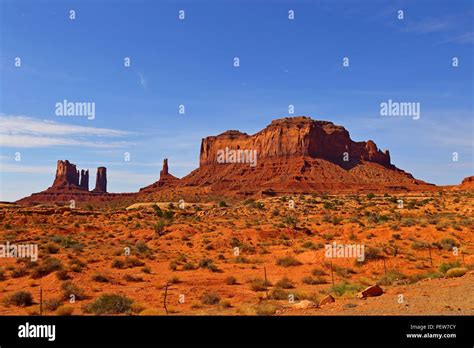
x,y
456,272
444,267
110,304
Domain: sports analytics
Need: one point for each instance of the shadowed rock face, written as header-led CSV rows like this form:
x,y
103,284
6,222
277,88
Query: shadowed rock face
x,y
101,180
296,137
66,175
84,179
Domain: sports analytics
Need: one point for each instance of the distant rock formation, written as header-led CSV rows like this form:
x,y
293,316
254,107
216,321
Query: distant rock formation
x,y
296,154
292,137
164,172
166,179
467,183
66,175
84,183
101,180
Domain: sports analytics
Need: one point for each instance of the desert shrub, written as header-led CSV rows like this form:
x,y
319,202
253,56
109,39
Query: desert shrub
x,y
456,272
68,288
259,284
210,298
52,304
278,294
157,210
430,275
174,280
20,299
266,308
444,267
288,261
419,245
407,222
129,262
62,274
109,304
141,247
318,272
448,243
51,248
100,278
290,221
314,281
231,280
309,245
65,311
222,204
189,266
209,264
370,196
19,272
160,227
345,288
131,278
48,266
391,277
285,283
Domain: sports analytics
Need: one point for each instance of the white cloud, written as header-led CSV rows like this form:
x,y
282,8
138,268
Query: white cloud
x,y
28,132
24,169
143,81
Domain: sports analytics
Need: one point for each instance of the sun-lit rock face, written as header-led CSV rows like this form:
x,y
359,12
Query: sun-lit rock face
x,y
295,137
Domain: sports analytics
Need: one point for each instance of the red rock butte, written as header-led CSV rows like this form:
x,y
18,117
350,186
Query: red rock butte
x,y
291,155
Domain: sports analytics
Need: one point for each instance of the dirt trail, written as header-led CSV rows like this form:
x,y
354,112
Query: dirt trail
x,y
450,296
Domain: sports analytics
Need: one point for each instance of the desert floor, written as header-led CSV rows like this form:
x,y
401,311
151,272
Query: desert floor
x,y
211,259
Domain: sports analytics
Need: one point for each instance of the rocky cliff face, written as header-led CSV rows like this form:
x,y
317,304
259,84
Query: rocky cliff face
x,y
66,175
101,180
295,137
84,182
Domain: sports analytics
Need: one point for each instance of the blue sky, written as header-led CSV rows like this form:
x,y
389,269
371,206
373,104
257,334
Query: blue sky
x,y
190,62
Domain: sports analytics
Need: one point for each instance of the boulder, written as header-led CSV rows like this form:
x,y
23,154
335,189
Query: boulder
x,y
371,291
326,299
305,304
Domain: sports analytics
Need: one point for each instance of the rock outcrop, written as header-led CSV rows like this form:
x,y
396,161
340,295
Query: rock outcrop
x,y
296,155
467,183
84,182
295,137
166,179
101,180
66,175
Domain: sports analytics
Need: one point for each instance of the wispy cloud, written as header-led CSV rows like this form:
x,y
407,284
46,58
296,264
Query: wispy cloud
x,y
429,25
25,169
143,81
466,38
26,132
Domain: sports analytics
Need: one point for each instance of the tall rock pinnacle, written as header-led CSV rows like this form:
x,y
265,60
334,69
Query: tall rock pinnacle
x,y
84,179
101,180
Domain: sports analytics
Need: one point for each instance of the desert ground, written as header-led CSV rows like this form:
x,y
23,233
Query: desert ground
x,y
167,258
